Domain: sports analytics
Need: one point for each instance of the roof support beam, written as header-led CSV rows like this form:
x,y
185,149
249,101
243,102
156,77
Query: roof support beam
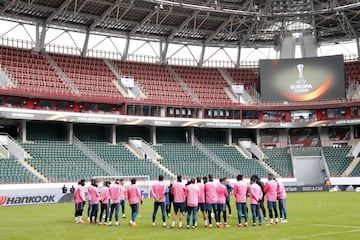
x,y
142,23
104,14
126,49
8,5
183,25
220,28
62,7
85,45
358,47
202,54
163,51
238,56
40,37
313,21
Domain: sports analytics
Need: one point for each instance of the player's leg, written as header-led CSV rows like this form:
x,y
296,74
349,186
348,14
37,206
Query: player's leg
x,y
258,213
89,211
281,208
194,220
239,213
245,213
176,210
102,209
94,212
270,208
163,213
188,217
134,212
263,209
181,213
122,204
275,212
228,206
217,216
253,213
156,206
112,208
209,209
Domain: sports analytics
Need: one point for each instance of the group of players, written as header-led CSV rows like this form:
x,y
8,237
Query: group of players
x,y
200,194
110,198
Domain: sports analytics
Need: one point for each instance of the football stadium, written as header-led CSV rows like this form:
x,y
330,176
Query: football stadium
x,y
118,106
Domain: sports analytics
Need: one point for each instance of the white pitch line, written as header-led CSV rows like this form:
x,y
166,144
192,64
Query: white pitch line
x,y
321,235
333,225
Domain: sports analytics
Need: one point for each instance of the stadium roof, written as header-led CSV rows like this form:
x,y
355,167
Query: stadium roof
x,y
209,22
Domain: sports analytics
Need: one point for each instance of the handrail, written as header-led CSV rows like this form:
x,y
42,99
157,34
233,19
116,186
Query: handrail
x,y
94,157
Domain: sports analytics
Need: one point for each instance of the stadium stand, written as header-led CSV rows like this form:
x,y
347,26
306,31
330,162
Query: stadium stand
x,y
206,83
124,161
90,76
31,72
356,171
246,76
280,160
187,160
233,157
337,159
11,171
154,80
60,161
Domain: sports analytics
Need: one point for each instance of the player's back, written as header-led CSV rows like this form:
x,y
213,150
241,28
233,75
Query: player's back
x,y
271,190
114,191
178,189
221,193
158,190
210,192
240,191
192,195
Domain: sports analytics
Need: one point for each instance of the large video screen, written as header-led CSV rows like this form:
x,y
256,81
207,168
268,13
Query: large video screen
x,y
302,79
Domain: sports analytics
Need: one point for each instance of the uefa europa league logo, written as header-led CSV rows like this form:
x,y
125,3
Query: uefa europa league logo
x,y
300,68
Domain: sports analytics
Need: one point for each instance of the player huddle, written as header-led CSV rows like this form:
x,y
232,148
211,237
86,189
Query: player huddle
x,y
200,194
110,198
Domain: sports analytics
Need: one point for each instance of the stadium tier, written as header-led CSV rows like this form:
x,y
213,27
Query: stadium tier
x,y
154,80
207,84
187,160
234,158
337,159
247,77
124,161
280,160
89,75
30,72
58,160
356,171
11,171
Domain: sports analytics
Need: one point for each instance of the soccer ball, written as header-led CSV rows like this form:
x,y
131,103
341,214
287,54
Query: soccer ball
x,y
357,189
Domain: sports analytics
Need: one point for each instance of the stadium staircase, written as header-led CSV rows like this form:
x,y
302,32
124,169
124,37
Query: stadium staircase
x,y
230,82
62,75
182,84
5,80
351,167
95,158
124,161
337,159
116,81
279,160
16,151
216,159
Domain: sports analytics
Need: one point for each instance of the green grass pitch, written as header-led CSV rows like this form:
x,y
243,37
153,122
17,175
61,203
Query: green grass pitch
x,y
318,216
